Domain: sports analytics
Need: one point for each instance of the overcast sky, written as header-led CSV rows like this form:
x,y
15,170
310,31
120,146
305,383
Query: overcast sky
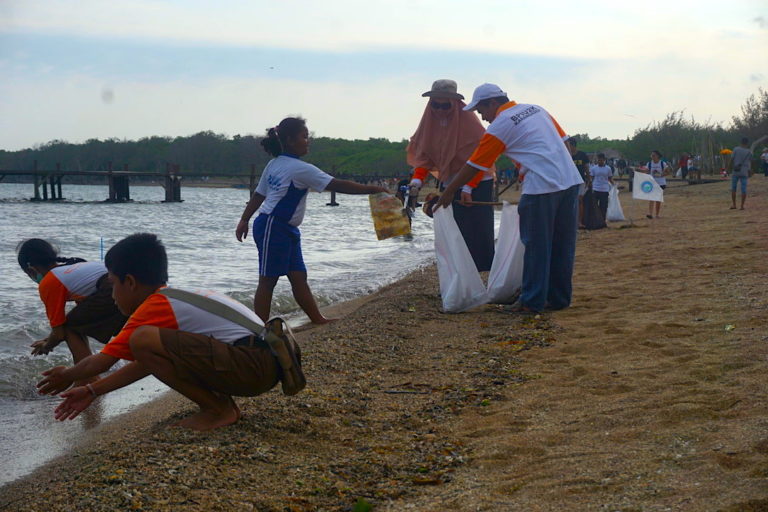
x,y
74,70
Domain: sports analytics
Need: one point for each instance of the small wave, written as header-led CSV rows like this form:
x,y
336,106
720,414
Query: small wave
x,y
18,375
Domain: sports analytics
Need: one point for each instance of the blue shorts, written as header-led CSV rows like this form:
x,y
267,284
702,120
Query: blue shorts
x,y
279,246
735,181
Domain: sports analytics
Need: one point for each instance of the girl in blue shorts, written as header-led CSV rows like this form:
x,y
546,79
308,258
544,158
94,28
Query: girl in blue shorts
x,y
281,198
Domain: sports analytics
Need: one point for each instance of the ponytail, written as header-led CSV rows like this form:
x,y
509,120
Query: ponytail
x,y
290,127
69,261
39,252
271,143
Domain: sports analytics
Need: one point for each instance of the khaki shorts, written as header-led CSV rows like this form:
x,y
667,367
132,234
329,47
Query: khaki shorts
x,y
97,315
221,367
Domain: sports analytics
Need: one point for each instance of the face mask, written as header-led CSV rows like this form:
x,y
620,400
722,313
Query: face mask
x,y
37,278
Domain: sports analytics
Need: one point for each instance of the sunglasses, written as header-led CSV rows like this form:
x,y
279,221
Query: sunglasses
x,y
440,106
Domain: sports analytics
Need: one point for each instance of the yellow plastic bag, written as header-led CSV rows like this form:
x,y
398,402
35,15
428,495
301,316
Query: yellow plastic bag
x,y
389,219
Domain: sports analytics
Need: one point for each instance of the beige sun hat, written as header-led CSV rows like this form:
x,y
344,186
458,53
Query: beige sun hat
x,y
444,88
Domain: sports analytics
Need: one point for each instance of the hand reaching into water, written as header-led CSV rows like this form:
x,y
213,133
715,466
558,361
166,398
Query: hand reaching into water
x,y
76,400
54,381
42,347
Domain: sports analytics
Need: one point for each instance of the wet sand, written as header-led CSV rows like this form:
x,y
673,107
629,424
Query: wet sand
x,y
649,393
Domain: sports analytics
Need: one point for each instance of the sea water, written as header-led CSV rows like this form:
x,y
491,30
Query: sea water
x,y
343,258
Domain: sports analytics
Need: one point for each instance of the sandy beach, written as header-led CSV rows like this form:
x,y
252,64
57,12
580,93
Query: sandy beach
x,y
650,393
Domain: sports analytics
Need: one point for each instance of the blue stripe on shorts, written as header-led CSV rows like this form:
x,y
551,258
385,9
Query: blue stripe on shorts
x,y
279,246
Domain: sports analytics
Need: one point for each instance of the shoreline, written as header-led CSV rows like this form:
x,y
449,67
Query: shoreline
x,y
639,396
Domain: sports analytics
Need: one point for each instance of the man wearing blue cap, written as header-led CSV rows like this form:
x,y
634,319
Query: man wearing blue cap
x,y
549,203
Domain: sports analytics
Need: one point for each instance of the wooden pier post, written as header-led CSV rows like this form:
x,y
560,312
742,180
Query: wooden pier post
x,y
111,183
252,180
59,177
333,192
37,183
44,183
172,184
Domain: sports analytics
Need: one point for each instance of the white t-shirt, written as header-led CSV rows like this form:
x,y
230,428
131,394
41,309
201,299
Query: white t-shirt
x,y
600,177
285,183
764,157
656,169
529,135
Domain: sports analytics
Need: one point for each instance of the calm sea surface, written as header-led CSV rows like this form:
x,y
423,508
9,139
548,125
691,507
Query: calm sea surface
x,y
343,258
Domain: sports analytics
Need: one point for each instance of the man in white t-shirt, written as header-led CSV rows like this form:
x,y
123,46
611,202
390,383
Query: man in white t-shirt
x,y
549,203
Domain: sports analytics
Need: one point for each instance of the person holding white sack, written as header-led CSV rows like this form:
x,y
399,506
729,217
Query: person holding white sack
x,y
443,141
658,169
548,206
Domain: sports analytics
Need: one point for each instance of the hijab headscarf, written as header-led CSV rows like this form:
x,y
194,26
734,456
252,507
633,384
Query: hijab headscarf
x,y
445,139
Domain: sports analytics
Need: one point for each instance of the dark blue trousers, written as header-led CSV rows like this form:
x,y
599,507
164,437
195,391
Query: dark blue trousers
x,y
548,224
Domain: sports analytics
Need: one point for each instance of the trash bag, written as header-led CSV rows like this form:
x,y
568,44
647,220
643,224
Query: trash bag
x,y
389,218
460,285
679,173
614,213
506,277
593,217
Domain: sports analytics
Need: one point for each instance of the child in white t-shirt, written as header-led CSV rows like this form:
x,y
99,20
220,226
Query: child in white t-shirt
x,y
281,199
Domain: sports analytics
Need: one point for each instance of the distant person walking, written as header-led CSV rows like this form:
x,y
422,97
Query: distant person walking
x,y
581,160
621,164
682,164
741,166
281,198
601,177
442,143
764,161
658,169
548,207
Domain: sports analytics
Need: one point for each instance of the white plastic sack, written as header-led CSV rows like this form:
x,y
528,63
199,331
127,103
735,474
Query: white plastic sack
x,y
614,212
679,173
506,276
460,285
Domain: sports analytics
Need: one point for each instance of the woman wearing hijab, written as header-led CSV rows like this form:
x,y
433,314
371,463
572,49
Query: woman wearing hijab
x,y
444,140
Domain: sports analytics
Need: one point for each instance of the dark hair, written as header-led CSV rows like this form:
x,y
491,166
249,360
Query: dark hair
x,y
141,255
744,140
657,152
36,251
573,140
601,155
276,137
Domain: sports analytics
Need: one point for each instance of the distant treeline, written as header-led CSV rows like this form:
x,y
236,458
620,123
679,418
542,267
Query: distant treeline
x,y
216,154
208,153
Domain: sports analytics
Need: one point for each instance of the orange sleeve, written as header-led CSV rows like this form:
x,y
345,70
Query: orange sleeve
x,y
488,150
155,311
476,180
560,131
54,296
420,173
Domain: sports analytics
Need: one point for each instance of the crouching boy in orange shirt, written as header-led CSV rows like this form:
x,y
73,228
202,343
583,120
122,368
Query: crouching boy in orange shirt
x,y
203,356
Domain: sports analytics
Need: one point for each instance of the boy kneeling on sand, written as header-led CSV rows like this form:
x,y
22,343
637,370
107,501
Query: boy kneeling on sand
x,y
203,356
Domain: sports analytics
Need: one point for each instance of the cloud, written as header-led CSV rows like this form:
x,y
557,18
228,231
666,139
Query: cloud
x,y
761,21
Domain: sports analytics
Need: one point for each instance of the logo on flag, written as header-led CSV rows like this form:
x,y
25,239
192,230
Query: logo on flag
x,y
645,187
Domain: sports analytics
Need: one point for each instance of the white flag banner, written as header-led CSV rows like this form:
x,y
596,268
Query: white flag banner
x,y
645,187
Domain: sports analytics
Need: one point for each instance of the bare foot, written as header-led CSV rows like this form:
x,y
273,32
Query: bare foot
x,y
210,419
